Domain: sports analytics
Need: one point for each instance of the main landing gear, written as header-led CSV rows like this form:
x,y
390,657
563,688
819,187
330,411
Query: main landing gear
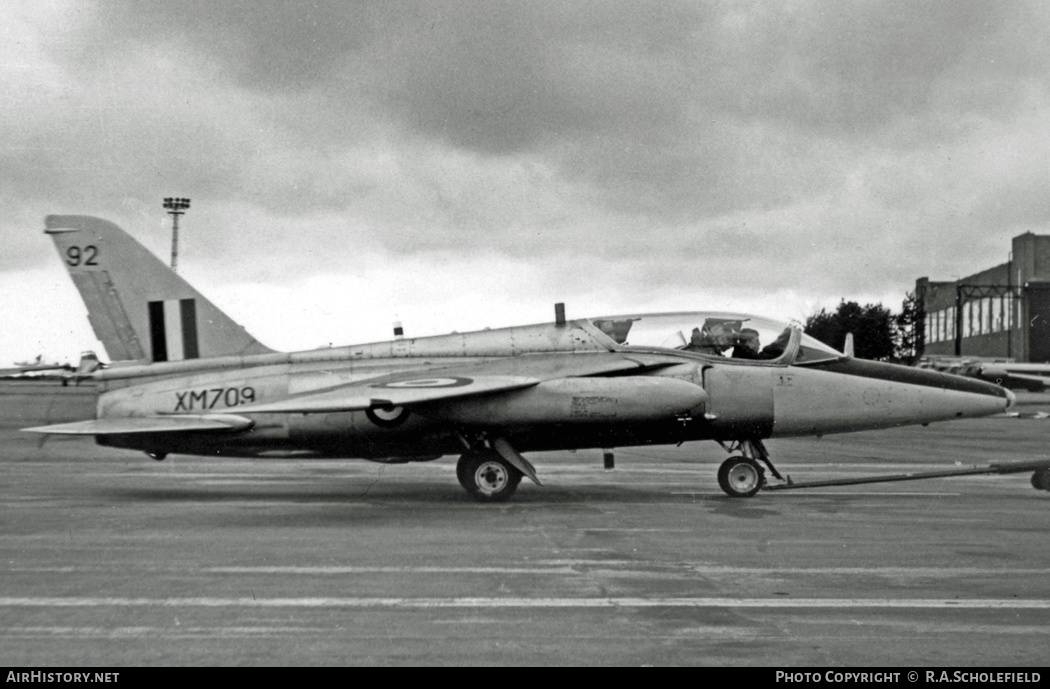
x,y
1041,479
490,470
743,475
487,476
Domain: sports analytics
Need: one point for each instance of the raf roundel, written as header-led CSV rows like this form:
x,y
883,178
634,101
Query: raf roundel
x,y
390,417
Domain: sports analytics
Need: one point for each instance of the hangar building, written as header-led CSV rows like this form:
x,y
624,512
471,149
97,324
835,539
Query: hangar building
x,y
1003,311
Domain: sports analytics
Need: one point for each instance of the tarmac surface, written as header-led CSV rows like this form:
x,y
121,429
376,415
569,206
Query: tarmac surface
x,y
110,559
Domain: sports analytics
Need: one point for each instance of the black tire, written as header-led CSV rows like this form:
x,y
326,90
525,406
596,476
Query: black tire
x,y
487,476
1041,479
740,477
462,468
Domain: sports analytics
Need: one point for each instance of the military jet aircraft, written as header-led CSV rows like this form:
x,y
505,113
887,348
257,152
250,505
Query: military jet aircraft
x,y
187,379
1031,377
88,364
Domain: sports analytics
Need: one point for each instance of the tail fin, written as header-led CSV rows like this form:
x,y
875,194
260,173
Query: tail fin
x,y
138,307
89,363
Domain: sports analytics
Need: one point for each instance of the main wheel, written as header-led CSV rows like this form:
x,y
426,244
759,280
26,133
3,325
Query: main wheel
x,y
1041,479
740,477
487,476
462,469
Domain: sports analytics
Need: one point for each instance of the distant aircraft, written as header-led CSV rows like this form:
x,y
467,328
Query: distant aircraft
x,y
89,363
21,368
1031,377
187,379
1005,372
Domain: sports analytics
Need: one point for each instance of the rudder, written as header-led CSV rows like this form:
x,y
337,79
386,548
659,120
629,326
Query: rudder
x,y
139,308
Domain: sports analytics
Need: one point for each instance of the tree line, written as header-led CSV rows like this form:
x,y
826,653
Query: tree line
x,y
878,333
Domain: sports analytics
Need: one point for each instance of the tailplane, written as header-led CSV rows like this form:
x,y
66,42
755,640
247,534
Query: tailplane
x,y
139,308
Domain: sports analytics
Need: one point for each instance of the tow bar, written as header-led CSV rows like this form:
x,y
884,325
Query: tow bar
x,y
1041,476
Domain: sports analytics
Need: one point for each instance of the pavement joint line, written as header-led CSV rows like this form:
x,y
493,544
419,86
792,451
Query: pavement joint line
x,y
570,567
615,602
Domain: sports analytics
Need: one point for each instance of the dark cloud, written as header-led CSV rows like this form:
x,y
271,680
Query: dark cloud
x,y
500,76
671,111
847,67
268,45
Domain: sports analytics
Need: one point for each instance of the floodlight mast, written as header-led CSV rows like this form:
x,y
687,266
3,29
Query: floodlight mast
x,y
176,207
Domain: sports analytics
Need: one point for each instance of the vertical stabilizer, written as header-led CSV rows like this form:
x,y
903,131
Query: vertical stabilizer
x,y
139,308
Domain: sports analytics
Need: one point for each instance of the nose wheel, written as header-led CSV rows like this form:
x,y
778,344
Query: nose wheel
x,y
743,475
740,477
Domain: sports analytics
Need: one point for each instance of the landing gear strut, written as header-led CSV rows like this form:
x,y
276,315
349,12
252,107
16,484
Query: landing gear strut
x,y
487,476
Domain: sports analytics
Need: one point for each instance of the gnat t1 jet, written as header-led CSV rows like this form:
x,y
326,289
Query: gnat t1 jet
x,y
187,379
1031,377
23,367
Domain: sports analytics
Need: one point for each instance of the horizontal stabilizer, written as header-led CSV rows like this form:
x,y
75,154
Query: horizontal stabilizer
x,y
392,392
148,424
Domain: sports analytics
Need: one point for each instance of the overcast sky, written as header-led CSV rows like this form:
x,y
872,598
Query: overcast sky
x,y
456,165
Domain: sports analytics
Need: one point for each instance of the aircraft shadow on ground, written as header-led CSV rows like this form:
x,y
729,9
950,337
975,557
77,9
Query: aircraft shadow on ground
x,y
423,493
427,501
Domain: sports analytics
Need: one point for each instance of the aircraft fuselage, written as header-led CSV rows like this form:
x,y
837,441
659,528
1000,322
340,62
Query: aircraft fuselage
x,y
640,402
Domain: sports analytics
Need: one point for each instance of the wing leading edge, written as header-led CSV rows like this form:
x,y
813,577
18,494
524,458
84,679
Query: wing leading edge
x,y
394,392
148,424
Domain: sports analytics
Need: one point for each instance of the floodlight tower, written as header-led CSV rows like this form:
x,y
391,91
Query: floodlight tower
x,y
176,207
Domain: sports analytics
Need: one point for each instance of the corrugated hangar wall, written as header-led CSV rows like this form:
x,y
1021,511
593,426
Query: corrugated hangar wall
x,y
1002,311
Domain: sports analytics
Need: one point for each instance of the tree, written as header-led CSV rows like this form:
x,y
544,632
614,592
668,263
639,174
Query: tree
x,y
872,325
910,330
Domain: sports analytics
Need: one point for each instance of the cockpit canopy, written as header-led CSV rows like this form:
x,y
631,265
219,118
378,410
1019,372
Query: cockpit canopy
x,y
735,335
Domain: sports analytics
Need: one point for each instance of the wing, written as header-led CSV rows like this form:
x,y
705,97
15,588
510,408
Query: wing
x,y
19,370
390,391
148,424
385,392
449,383
1028,377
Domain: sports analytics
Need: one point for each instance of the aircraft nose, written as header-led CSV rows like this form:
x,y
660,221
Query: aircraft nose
x,y
871,394
1011,399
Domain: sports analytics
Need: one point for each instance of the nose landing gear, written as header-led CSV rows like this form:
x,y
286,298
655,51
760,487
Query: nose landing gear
x,y
740,477
743,475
